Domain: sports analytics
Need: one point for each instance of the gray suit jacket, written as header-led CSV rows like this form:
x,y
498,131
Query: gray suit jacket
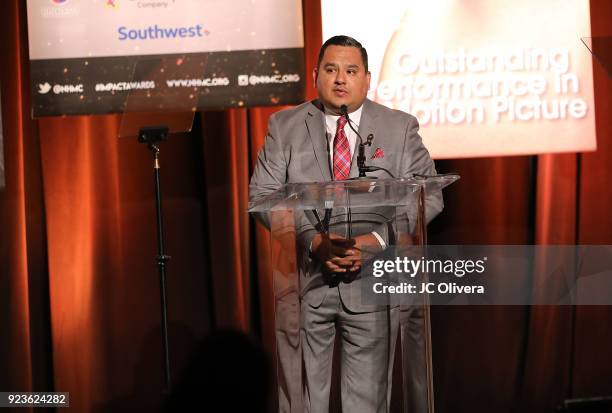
x,y
296,151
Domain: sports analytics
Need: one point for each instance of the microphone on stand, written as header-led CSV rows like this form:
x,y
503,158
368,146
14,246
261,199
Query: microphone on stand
x,y
361,158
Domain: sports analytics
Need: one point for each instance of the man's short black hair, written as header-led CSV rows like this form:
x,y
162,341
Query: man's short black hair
x,y
344,41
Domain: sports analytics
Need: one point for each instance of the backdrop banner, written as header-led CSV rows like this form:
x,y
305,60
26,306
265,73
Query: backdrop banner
x,y
484,78
83,54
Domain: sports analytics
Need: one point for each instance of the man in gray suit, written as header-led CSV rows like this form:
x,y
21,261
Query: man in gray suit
x,y
314,143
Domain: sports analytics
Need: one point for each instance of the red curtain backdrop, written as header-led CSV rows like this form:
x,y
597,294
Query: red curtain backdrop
x,y
78,282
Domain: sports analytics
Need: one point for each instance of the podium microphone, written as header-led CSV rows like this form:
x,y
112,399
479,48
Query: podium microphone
x,y
361,154
361,158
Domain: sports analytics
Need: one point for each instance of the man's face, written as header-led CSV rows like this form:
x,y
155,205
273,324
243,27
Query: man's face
x,y
341,78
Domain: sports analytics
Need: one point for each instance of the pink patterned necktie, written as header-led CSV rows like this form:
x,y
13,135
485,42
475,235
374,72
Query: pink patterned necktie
x,y
342,152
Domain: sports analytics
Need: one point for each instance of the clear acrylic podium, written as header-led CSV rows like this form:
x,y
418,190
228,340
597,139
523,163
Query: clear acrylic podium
x,y
395,212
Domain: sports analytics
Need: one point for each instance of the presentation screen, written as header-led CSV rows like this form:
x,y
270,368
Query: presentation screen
x,y
83,53
484,77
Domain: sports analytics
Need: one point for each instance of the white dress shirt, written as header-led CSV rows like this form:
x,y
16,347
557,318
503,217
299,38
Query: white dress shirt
x,y
331,124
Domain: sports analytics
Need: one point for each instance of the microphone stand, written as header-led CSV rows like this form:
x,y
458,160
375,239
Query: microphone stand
x,y
361,158
151,135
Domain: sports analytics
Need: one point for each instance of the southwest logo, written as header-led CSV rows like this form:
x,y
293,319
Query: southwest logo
x,y
59,2
156,32
44,88
111,4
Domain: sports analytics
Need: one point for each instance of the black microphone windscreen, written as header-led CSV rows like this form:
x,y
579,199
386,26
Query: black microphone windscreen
x,y
344,110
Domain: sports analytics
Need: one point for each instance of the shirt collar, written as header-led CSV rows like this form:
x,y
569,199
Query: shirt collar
x,y
355,117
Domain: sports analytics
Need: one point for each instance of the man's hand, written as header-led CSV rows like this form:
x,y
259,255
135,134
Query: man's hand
x,y
340,255
333,251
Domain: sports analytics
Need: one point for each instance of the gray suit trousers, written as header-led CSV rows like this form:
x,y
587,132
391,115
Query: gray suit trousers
x,y
367,343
